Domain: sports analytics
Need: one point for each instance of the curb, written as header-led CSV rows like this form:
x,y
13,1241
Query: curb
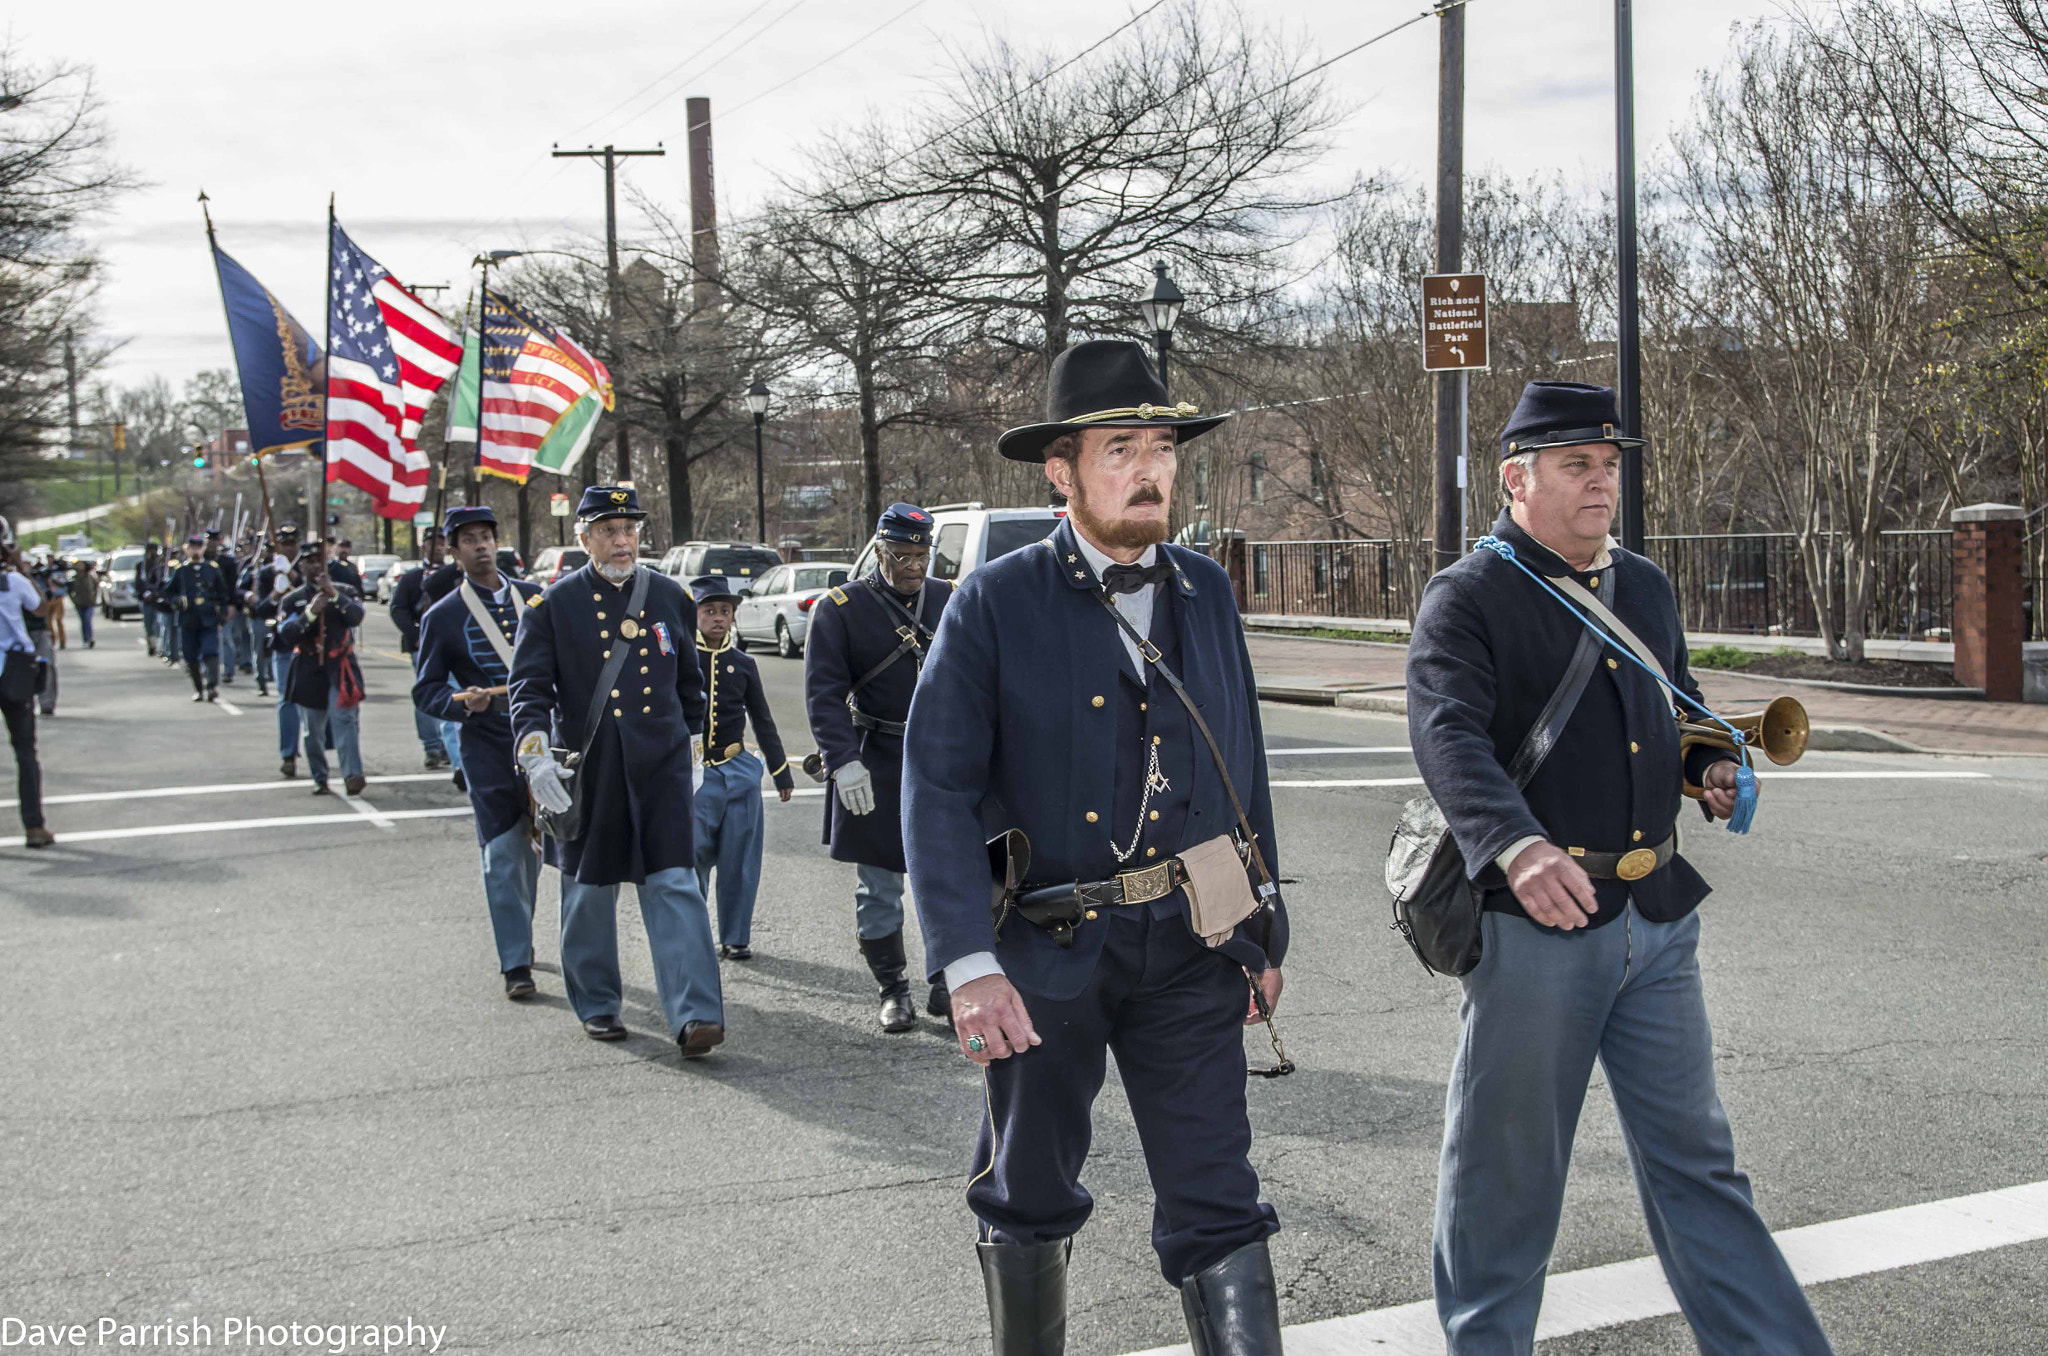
x,y
1926,694
1857,739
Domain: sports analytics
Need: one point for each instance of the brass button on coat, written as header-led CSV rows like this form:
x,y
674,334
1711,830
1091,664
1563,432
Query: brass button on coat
x,y
646,710
1592,581
1091,915
615,692
1636,837
1155,814
1152,852
1092,816
647,692
617,712
600,616
1095,701
1613,664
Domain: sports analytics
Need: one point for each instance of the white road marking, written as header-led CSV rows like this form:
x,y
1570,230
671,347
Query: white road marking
x,y
225,825
1340,782
1628,1292
224,704
1763,774
1338,748
366,810
217,788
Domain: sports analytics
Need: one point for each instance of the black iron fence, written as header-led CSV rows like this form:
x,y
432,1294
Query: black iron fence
x,y
1747,583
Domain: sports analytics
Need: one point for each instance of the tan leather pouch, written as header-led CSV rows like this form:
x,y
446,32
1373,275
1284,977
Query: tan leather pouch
x,y
1219,892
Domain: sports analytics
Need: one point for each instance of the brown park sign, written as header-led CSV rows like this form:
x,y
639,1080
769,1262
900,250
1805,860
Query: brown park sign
x,y
1454,322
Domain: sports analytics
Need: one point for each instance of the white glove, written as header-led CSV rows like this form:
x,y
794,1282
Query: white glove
x,y
856,788
696,766
549,781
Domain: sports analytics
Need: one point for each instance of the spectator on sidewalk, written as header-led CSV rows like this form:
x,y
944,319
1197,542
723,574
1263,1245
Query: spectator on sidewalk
x,y
20,599
85,596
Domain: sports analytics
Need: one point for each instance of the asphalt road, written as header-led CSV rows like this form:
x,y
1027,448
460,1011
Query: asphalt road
x,y
267,1071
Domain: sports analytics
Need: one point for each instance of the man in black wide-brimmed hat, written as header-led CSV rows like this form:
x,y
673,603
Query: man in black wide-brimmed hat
x,y
1138,901
1588,937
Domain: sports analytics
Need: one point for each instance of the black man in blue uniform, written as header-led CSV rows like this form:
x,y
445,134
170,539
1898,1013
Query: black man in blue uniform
x,y
604,670
199,595
728,800
316,624
867,643
464,662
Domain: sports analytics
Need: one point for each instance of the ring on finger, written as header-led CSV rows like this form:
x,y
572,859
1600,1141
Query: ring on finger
x,y
976,1044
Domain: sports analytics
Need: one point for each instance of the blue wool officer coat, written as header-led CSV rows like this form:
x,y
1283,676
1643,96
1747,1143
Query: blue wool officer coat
x,y
1016,725
852,630
637,779
452,647
1488,649
733,692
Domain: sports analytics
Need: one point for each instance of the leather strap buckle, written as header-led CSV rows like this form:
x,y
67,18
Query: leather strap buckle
x,y
1144,886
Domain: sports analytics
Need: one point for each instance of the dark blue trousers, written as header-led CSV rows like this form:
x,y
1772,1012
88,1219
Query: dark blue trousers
x,y
1173,1011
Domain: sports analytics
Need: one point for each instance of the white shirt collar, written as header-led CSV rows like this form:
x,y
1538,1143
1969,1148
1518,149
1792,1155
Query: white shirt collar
x,y
1098,562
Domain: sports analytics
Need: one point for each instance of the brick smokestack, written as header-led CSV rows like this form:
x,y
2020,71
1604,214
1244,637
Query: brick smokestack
x,y
703,207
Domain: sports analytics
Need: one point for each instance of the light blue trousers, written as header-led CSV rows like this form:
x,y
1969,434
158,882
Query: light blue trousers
x,y
1539,1008
346,723
287,713
728,836
877,901
678,933
511,878
427,727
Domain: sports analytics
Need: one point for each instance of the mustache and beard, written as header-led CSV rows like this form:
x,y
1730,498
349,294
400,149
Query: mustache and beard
x,y
618,574
1117,533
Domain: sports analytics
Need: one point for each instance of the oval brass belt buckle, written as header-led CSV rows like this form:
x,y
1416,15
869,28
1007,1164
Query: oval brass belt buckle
x,y
1636,864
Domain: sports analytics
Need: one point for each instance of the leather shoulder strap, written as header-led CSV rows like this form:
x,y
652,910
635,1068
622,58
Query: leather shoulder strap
x,y
1557,712
614,661
489,624
1158,661
1579,594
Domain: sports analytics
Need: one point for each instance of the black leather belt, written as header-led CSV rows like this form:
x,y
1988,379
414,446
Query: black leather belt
x,y
1631,865
880,726
1057,908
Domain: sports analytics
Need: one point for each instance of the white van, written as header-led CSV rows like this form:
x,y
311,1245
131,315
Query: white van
x,y
969,535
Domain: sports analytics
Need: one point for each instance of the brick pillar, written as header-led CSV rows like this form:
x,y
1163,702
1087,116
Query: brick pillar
x,y
1989,623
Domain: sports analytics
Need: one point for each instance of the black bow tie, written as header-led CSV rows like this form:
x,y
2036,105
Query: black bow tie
x,y
1131,578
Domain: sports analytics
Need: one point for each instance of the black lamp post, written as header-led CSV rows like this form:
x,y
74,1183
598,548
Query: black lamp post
x,y
1161,307
757,402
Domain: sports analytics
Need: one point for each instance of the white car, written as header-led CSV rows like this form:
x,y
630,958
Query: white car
x,y
966,536
117,583
387,582
373,569
777,611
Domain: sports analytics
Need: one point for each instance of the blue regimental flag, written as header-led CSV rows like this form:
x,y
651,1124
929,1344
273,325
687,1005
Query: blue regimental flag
x,y
281,365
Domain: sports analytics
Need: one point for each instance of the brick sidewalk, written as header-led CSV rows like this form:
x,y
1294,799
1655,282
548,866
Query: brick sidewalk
x,y
1963,727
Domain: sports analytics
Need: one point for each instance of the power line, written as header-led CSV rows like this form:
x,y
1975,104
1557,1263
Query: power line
x,y
914,5
748,41
1435,13
696,56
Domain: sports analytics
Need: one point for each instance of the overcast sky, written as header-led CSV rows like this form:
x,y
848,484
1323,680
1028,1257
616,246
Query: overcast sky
x,y
431,121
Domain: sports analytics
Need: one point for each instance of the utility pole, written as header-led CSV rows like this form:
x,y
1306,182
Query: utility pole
x,y
1628,380
1450,258
70,393
611,155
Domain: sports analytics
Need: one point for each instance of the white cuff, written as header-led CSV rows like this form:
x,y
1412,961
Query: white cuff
x,y
1514,850
973,966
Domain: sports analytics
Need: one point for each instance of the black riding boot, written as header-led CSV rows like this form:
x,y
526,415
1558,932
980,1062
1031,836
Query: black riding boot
x,y
1233,1308
212,678
198,681
885,959
940,1003
1027,1296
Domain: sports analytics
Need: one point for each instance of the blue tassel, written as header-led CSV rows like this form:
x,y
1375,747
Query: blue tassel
x,y
1745,800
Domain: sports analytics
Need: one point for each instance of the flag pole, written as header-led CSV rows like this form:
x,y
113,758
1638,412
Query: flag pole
x,y
213,248
326,383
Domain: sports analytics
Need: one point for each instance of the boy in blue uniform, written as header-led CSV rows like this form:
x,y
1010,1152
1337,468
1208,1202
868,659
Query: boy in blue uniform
x,y
464,661
729,798
601,669
861,660
198,595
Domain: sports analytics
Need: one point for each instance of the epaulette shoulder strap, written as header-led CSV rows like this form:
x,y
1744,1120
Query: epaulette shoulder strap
x,y
838,597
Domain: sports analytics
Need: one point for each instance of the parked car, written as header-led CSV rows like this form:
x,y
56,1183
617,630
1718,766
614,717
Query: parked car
x,y
387,582
557,561
509,563
741,562
117,583
777,610
967,536
373,569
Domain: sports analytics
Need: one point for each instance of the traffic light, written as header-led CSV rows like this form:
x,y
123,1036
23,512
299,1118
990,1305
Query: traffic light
x,y
199,459
120,437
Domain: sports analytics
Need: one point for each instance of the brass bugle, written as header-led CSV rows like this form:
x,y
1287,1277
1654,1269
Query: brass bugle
x,y
1780,730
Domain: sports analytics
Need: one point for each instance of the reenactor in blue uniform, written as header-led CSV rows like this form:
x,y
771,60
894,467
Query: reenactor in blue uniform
x,y
1136,896
223,559
1589,931
729,819
316,625
603,672
149,579
464,660
200,596
861,660
409,603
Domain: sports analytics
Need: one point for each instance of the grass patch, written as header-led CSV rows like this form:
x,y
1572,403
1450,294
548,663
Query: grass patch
x,y
1334,633
1722,657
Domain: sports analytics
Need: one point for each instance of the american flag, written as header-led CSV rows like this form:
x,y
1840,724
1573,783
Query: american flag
x,y
388,353
532,375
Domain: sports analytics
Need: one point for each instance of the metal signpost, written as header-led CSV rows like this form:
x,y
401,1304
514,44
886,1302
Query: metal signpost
x,y
1454,340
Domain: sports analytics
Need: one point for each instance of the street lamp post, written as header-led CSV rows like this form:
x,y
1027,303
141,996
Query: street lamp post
x,y
1161,307
757,403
